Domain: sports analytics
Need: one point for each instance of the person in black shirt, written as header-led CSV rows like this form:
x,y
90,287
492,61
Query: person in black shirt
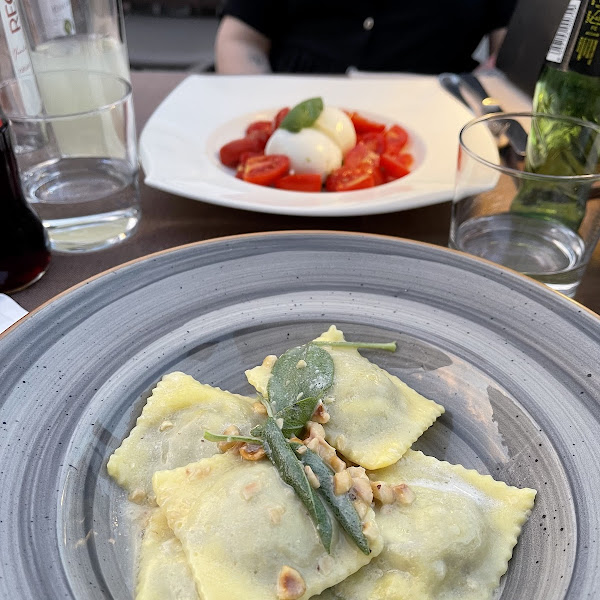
x,y
331,36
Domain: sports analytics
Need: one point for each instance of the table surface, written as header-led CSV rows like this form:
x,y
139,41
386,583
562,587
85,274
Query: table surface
x,y
169,220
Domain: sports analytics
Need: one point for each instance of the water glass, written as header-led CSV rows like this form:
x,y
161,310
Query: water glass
x,y
87,34
538,214
77,156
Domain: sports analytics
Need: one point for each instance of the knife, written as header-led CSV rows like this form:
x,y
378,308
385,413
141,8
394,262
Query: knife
x,y
513,130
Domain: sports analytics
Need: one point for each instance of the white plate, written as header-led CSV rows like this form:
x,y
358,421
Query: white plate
x,y
180,143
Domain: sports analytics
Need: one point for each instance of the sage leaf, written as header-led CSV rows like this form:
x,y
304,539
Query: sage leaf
x,y
302,115
217,437
296,415
302,372
292,472
341,506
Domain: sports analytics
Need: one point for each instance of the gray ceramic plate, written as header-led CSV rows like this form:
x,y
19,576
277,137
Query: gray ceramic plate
x,y
515,365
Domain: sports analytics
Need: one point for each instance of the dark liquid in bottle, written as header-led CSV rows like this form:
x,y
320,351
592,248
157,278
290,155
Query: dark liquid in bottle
x,y
24,248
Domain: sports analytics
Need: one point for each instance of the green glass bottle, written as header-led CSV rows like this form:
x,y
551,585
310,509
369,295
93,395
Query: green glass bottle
x,y
569,84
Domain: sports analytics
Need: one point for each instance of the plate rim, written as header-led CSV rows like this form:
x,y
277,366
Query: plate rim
x,y
540,287
517,282
386,204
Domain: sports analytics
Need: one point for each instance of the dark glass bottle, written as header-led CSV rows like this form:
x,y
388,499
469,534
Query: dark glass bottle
x,y
24,246
569,84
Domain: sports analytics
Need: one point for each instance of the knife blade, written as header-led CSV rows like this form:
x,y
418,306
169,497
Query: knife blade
x,y
513,130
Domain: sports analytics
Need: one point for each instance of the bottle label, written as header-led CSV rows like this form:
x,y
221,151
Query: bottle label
x,y
575,44
586,55
18,49
15,38
563,33
57,17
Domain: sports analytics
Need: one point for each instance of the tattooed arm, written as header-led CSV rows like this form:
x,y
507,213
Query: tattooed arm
x,y
240,49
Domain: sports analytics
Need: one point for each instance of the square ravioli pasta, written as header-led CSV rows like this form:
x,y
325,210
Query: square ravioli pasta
x,y
164,573
451,538
246,534
374,416
169,432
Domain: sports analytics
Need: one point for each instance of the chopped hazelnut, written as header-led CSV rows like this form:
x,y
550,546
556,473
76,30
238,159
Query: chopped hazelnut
x,y
197,471
370,530
275,514
224,446
290,585
383,492
337,464
357,471
361,508
312,478
259,408
137,496
252,451
325,564
320,415
362,488
315,430
250,490
342,482
301,364
165,425
404,494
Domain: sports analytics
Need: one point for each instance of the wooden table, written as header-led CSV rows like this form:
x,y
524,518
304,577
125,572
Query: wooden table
x,y
170,221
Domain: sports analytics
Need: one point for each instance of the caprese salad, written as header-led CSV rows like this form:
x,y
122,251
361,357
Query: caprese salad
x,y
313,147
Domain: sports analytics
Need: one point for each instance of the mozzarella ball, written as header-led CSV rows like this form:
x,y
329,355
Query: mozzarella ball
x,y
309,150
337,125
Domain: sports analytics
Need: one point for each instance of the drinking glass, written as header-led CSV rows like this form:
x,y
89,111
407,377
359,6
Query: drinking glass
x,y
78,34
538,214
77,156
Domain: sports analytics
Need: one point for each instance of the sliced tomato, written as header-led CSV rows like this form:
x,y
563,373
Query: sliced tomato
x,y
279,117
301,182
361,154
395,139
350,178
259,138
264,170
264,126
364,125
393,165
374,140
407,159
244,156
231,152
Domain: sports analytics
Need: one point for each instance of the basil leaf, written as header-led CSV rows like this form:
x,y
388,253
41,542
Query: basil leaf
x,y
302,115
302,372
292,472
341,506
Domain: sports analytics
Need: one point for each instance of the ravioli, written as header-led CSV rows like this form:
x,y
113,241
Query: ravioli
x,y
169,432
453,542
375,417
164,572
240,525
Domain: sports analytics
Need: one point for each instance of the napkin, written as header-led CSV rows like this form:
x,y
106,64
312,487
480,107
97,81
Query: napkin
x,y
10,312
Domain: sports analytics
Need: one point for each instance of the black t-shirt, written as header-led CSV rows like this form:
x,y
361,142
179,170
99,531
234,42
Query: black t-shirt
x,y
328,36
